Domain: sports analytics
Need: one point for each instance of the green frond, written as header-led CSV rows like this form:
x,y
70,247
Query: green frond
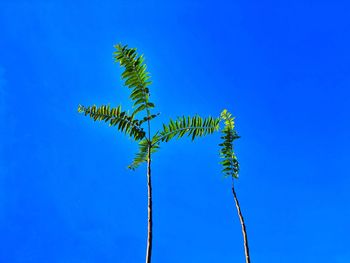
x,y
136,77
230,165
190,126
149,118
115,117
142,155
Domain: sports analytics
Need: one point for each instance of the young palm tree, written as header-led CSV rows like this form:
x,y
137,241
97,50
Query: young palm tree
x,y
138,127
231,168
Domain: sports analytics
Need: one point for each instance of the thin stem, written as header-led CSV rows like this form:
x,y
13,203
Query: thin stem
x,y
149,191
244,230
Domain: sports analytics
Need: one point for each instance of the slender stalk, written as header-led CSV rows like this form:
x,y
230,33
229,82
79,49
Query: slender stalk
x,y
150,221
244,230
149,191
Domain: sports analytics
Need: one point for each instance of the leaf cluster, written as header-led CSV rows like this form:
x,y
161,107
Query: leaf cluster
x,y
137,79
229,163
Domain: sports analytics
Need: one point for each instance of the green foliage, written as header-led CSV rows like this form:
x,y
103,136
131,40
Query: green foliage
x,y
142,155
115,117
190,126
136,77
229,163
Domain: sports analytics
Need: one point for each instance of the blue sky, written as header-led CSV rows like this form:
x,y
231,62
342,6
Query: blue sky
x,y
281,67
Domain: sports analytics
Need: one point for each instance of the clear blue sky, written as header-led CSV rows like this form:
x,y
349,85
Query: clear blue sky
x,y
281,67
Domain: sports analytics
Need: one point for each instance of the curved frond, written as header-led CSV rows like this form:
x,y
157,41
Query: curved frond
x,y
136,77
115,117
148,118
142,154
229,163
191,126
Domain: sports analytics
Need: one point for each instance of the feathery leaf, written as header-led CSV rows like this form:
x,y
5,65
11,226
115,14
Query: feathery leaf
x,y
136,77
115,117
190,126
230,165
142,155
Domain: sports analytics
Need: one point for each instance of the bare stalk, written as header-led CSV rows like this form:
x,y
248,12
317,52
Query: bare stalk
x,y
244,230
149,191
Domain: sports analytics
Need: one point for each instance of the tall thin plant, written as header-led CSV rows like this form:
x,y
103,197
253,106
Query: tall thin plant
x,y
137,124
231,168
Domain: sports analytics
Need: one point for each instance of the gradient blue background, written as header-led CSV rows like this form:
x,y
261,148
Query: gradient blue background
x,y
281,67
